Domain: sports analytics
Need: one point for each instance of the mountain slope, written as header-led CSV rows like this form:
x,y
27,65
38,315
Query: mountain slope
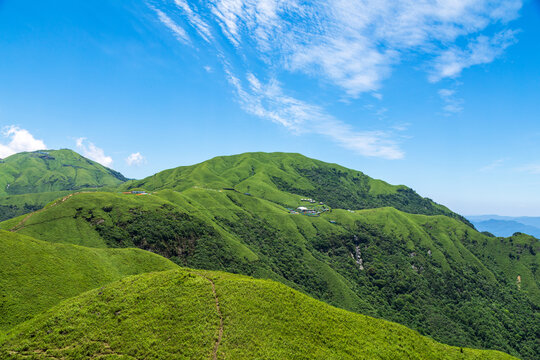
x,y
200,315
517,257
284,178
35,275
422,271
53,170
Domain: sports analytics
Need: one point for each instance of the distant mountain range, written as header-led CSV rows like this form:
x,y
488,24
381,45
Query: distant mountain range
x,y
506,225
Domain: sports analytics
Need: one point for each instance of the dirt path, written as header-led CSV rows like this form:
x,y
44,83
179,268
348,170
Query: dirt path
x,y
20,225
220,330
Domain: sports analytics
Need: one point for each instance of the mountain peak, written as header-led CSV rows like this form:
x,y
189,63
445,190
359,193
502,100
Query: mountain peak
x,y
53,170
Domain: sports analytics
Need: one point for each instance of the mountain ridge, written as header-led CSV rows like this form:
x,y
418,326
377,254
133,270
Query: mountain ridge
x,y
408,268
201,315
243,214
269,175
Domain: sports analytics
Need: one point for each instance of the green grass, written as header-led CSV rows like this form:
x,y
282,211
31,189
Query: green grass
x,y
173,315
53,170
435,274
284,178
15,205
421,271
30,180
35,275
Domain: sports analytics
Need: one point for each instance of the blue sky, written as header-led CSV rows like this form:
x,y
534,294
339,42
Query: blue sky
x,y
442,96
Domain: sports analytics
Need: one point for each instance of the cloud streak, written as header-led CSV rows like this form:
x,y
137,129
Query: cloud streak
x,y
179,33
19,140
482,50
452,104
268,101
533,168
353,46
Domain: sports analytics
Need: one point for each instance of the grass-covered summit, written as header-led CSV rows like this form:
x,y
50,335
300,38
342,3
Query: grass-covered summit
x,y
53,170
187,314
285,177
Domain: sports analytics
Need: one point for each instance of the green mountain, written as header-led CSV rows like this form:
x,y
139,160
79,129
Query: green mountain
x,y
187,314
284,177
430,273
29,180
53,170
363,245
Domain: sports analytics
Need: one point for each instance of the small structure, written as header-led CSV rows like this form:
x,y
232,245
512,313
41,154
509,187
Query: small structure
x,y
302,208
333,222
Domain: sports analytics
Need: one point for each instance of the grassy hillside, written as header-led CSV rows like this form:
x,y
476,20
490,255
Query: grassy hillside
x,y
30,180
421,271
53,170
199,315
517,257
284,178
35,275
15,205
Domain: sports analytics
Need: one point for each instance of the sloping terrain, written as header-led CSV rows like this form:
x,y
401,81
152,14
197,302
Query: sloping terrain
x,y
517,257
36,275
422,271
30,180
185,314
284,177
53,170
15,205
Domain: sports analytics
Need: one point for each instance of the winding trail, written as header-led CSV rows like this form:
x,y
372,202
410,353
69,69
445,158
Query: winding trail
x,y
21,223
220,330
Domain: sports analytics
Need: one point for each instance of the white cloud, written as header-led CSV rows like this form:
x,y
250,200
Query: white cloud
x,y
92,152
19,140
268,101
135,159
195,20
179,32
482,50
452,104
356,44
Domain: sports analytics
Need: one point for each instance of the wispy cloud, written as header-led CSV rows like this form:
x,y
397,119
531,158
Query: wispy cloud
x,y
92,152
203,29
482,50
533,168
135,159
452,104
356,44
179,32
352,45
18,140
267,100
493,165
